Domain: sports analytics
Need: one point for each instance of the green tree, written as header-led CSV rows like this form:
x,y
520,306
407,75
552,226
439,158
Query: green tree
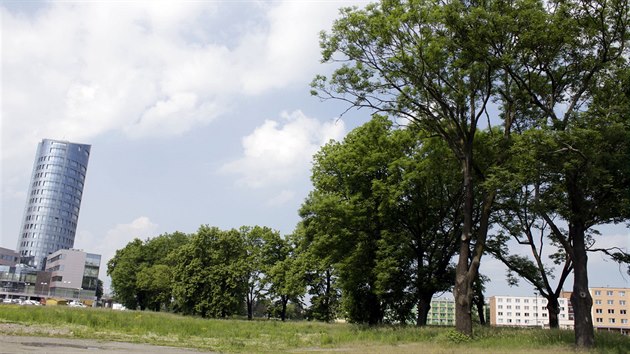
x,y
135,263
341,216
286,278
567,65
382,181
428,63
265,247
421,214
123,269
156,283
210,273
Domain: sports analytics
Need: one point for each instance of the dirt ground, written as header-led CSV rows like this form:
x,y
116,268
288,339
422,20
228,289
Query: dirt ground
x,y
19,344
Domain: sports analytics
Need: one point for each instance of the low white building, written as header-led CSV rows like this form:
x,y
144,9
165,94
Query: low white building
x,y
526,311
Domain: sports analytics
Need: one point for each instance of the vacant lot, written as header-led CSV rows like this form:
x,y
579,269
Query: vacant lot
x,y
102,327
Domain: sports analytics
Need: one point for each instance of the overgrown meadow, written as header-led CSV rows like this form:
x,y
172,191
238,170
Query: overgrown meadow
x,y
236,335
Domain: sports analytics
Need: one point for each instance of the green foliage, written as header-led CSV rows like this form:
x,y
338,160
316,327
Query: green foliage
x,y
383,218
140,271
210,273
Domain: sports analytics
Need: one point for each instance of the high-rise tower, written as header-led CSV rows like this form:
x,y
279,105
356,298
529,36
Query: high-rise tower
x,y
53,200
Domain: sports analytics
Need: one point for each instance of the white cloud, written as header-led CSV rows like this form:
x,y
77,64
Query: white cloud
x,y
276,152
77,70
114,239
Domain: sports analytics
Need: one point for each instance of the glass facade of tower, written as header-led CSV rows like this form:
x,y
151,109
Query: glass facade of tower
x,y
53,201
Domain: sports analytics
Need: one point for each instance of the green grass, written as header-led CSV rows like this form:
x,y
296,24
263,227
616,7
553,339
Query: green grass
x,y
275,336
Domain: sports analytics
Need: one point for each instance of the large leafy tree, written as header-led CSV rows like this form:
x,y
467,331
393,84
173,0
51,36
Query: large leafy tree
x,y
123,269
210,273
421,213
285,274
428,62
317,266
264,248
341,216
137,280
567,65
382,182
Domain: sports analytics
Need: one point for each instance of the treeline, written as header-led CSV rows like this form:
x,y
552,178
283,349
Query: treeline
x,y
211,273
377,240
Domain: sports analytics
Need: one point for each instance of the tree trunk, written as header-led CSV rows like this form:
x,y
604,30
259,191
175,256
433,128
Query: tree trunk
x,y
424,305
283,314
480,308
581,297
463,280
553,309
250,309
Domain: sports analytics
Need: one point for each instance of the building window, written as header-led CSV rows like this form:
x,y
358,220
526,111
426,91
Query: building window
x,y
598,302
599,320
610,302
500,299
622,302
624,320
500,306
611,311
597,292
623,312
622,293
609,293
500,313
611,320
598,310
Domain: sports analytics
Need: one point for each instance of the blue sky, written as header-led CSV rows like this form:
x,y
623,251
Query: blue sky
x,y
198,112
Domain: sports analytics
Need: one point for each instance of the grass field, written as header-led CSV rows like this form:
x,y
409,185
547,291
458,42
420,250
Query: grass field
x,y
290,337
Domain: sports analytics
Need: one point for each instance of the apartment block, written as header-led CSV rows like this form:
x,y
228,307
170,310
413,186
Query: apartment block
x,y
526,311
610,309
442,313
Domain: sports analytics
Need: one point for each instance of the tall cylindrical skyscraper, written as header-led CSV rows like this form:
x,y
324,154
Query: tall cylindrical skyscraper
x,y
53,200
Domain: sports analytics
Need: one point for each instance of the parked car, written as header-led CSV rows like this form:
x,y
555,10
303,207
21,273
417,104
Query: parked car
x,y
30,303
76,304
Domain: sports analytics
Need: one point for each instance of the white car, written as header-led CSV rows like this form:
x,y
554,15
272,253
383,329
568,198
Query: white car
x,y
76,304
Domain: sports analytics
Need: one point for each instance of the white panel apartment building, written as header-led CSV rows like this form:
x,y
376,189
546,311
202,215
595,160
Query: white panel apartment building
x,y
526,311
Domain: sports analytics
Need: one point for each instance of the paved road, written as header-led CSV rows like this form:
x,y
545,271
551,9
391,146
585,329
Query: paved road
x,y
17,344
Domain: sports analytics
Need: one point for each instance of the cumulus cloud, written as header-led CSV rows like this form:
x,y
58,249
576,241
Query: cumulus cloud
x,y
114,239
145,68
278,151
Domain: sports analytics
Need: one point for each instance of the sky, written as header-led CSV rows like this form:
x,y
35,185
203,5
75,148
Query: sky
x,y
198,112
